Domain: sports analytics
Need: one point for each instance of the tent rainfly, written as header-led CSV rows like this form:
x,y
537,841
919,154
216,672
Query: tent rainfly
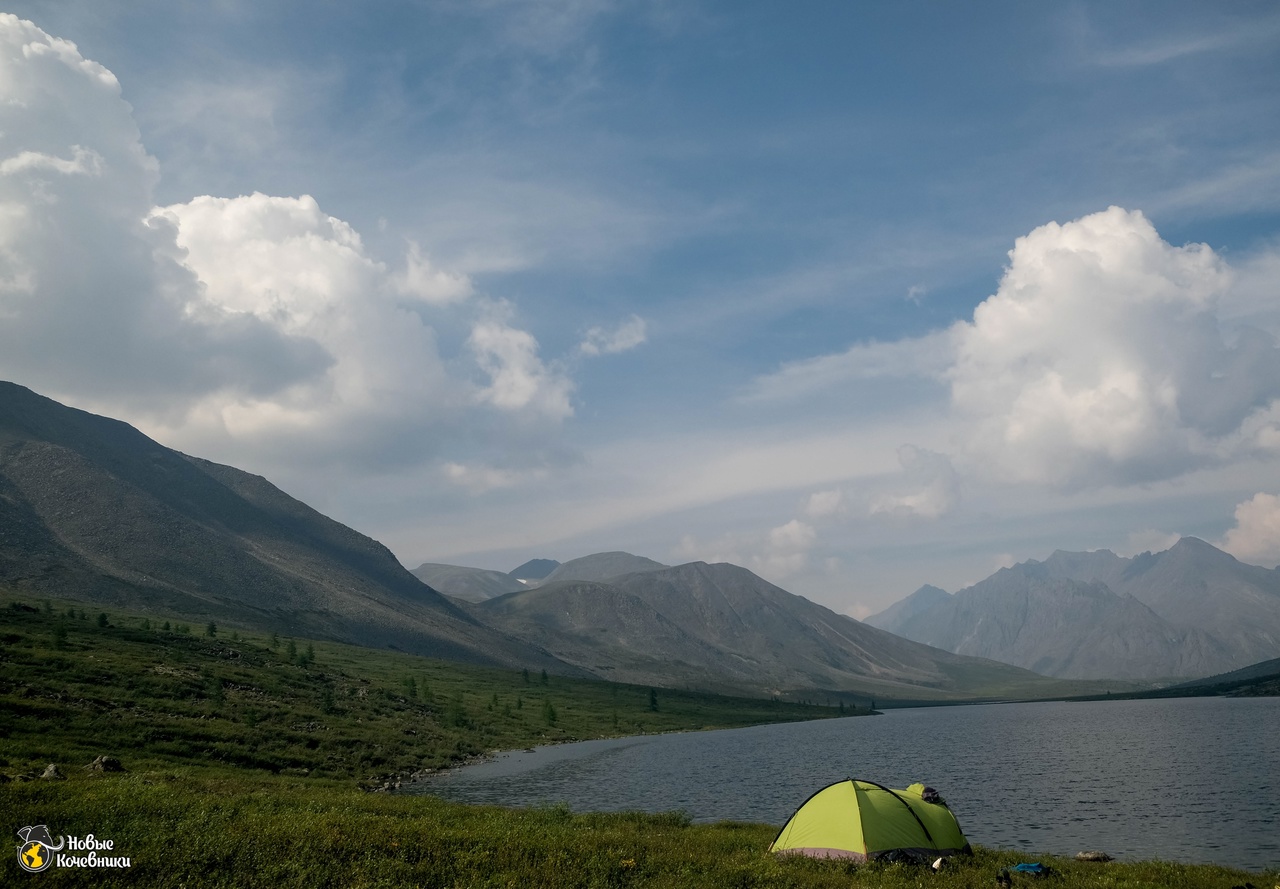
x,y
864,821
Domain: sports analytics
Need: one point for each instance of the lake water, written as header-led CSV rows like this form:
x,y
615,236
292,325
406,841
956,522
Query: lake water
x,y
1191,780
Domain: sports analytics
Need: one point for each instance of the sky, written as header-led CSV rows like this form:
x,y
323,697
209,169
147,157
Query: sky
x,y
860,296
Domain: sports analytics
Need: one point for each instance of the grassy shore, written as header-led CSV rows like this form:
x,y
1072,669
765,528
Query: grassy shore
x,y
249,759
77,682
275,833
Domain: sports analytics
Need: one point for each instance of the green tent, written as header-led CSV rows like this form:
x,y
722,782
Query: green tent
x,y
863,821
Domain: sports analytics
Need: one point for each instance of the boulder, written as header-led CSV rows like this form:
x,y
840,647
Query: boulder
x,y
105,764
53,772
1093,856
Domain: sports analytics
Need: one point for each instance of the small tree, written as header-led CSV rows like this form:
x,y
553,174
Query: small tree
x,y
546,680
548,711
653,700
292,650
525,674
103,620
212,630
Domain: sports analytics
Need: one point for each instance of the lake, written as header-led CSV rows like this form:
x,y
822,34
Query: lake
x,y
1192,780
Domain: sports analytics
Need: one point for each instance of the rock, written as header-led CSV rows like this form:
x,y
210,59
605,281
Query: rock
x,y
1093,856
105,764
53,772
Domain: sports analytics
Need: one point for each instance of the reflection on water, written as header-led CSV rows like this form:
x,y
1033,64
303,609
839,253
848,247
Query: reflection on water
x,y
1193,780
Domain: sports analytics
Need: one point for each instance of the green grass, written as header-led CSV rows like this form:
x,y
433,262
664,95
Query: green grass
x,y
278,833
71,689
246,765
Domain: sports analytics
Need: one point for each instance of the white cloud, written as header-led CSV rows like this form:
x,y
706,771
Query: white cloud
x,y
824,504
933,486
256,329
1256,537
794,536
725,548
929,356
95,300
434,286
1100,359
775,554
1106,356
627,335
518,378
479,479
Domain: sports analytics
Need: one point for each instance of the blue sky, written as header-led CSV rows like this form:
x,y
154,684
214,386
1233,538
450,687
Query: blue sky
x,y
831,290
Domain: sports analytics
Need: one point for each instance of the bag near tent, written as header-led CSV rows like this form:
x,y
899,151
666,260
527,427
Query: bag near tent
x,y
864,821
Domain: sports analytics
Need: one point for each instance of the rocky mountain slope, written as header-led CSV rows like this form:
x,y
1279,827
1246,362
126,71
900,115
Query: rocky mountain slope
x,y
1192,610
722,627
92,508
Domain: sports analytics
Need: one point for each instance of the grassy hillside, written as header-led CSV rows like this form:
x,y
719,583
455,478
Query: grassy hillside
x,y
77,682
245,756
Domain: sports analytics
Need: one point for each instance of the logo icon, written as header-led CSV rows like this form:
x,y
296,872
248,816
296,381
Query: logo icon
x,y
36,850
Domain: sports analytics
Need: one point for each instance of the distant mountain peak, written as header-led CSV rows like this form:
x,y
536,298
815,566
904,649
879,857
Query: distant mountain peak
x,y
600,567
534,569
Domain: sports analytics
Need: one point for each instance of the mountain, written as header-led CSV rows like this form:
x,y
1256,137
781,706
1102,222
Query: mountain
x,y
1194,584
471,584
92,508
1192,610
721,627
534,569
602,567
903,610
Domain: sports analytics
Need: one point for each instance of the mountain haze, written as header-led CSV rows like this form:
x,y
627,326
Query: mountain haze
x,y
1192,610
903,610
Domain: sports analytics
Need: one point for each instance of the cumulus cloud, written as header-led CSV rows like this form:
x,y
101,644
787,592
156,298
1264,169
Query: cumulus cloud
x,y
933,486
627,335
1256,536
775,554
517,377
94,298
1106,356
253,328
1100,359
432,285
823,504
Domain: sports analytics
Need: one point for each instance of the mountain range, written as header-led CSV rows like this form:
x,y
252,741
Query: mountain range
x,y
92,509
1190,611
720,626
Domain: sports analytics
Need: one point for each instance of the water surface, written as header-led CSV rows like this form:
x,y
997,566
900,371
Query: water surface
x,y
1191,780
